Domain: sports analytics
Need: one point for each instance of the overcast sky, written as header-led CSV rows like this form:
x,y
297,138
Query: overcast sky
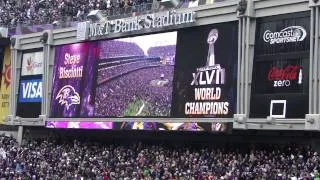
x,y
147,41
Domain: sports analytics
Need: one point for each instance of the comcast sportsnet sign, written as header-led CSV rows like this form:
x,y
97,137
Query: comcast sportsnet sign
x,y
286,35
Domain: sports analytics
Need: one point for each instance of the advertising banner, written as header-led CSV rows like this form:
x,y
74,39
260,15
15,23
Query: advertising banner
x,y
29,97
32,63
5,84
185,73
280,76
280,79
280,88
30,90
30,84
283,34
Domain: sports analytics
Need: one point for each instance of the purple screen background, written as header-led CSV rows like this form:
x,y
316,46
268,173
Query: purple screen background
x,y
80,87
79,125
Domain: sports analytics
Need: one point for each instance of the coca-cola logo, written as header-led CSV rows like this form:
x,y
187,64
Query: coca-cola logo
x,y
284,76
288,73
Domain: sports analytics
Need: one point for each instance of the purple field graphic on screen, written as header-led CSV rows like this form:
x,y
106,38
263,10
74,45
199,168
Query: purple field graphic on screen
x,y
129,125
79,125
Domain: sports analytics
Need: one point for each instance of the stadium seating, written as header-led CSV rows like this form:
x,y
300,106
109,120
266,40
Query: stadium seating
x,y
162,51
34,12
113,97
110,49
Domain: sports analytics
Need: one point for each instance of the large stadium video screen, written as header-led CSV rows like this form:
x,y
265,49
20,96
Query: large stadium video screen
x,y
187,73
115,78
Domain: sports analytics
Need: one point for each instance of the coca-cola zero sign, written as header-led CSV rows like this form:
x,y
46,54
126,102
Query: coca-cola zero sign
x,y
284,77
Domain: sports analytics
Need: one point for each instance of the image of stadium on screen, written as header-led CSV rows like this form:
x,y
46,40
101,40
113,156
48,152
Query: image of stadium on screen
x,y
134,76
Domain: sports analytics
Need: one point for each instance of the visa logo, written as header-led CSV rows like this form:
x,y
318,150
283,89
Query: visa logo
x,y
30,91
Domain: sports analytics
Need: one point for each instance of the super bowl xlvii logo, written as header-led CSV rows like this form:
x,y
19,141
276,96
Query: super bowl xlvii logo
x,y
67,96
207,81
212,73
286,35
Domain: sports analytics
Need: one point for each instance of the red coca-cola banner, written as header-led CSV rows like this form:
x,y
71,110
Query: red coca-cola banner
x,y
289,72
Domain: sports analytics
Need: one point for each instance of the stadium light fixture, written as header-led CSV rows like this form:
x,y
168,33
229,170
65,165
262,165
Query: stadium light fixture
x,y
310,120
9,119
17,120
56,23
13,42
242,7
169,3
240,118
3,32
270,120
96,15
142,23
44,37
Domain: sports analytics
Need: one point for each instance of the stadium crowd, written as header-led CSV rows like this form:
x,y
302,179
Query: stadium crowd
x,y
83,160
169,50
125,77
13,12
114,96
32,12
130,65
111,49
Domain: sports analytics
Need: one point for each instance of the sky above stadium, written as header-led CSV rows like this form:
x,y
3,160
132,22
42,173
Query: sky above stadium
x,y
147,41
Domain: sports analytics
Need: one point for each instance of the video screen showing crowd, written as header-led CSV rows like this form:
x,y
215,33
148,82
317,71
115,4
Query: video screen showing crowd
x,y
135,76
149,76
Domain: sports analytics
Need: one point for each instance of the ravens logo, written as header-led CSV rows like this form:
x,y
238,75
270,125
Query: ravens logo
x,y
67,96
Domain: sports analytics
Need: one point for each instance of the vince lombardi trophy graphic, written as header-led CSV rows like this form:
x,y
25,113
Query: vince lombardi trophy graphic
x,y
212,38
211,63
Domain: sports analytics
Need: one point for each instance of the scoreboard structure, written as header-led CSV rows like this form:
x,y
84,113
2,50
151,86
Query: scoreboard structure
x,y
245,64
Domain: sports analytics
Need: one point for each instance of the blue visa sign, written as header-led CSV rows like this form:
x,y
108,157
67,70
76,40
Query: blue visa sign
x,y
30,90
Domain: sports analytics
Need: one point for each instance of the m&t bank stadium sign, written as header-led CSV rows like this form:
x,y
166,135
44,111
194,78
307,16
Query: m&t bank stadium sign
x,y
87,30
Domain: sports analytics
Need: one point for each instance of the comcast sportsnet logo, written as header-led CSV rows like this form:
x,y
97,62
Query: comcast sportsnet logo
x,y
286,35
